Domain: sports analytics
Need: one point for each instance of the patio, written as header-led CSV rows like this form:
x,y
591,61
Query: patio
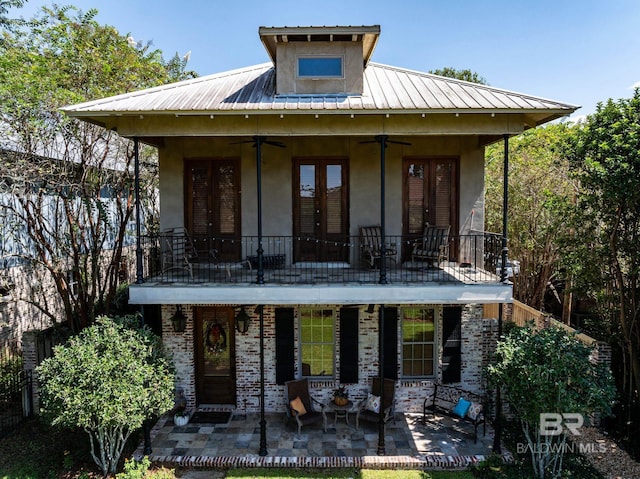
x,y
440,444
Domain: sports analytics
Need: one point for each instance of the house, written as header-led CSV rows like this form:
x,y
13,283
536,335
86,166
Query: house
x,y
294,192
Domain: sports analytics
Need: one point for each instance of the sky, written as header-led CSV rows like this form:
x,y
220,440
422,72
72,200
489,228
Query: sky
x,y
575,51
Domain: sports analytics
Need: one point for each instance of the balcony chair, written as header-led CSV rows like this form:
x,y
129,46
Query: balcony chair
x,y
434,245
180,252
367,409
301,406
371,246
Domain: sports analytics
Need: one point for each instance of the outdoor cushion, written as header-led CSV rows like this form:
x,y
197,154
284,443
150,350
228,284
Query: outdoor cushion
x,y
462,407
298,407
373,403
474,410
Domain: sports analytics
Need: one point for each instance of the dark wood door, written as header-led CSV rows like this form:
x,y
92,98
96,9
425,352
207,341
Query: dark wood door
x,y
215,355
321,212
212,206
430,195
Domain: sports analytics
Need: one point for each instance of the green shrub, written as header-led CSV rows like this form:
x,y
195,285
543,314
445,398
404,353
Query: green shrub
x,y
107,380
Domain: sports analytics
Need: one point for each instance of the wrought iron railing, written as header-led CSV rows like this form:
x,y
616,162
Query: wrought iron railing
x,y
181,258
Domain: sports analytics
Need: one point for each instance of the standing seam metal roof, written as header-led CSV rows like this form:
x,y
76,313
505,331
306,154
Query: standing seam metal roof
x,y
252,89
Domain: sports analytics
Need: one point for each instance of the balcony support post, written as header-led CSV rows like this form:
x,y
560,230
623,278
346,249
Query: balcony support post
x,y
382,139
136,173
263,422
497,438
381,451
258,140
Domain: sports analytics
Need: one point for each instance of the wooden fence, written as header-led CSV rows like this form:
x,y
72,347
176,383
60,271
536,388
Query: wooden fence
x,y
521,314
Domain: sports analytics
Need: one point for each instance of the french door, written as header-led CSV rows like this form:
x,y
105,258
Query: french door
x,y
321,212
430,195
212,206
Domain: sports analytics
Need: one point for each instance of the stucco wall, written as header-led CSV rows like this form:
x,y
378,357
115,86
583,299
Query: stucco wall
x,y
288,53
364,178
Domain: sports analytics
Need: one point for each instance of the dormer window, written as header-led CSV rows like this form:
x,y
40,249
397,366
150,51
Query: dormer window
x,y
320,67
320,60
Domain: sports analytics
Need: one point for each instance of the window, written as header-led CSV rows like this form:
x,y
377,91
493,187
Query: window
x,y
418,342
317,345
320,67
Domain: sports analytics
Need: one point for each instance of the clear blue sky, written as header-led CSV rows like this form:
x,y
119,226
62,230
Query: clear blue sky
x,y
575,51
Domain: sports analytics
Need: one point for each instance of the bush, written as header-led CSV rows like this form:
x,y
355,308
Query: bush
x,y
107,380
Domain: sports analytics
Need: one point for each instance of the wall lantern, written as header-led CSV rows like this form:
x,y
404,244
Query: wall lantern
x,y
242,321
178,320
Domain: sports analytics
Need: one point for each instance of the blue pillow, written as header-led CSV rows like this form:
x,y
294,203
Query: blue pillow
x,y
462,407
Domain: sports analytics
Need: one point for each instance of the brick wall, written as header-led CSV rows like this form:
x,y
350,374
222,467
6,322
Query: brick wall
x,y
410,393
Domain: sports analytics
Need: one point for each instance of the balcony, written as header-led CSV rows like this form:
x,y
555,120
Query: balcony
x,y
180,258
204,270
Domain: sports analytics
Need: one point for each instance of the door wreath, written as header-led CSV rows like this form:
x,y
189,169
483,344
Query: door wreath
x,y
216,338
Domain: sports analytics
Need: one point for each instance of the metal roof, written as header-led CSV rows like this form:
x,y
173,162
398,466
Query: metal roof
x,y
387,89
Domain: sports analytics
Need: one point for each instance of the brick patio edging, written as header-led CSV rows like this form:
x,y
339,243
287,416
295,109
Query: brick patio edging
x,y
427,462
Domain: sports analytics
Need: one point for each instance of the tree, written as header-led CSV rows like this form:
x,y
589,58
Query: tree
x,y
549,371
465,75
107,381
605,158
68,185
5,5
540,187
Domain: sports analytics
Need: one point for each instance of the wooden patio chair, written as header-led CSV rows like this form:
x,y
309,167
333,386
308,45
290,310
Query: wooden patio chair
x,y
371,246
366,409
301,406
434,245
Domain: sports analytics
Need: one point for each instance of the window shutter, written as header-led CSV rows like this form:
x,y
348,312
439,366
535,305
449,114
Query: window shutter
x,y
200,202
349,345
451,344
227,198
285,361
390,366
443,185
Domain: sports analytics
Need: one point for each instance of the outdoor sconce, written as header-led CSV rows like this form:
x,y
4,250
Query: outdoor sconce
x,y
242,321
178,320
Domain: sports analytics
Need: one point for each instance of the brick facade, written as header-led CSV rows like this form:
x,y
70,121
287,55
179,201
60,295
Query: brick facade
x,y
410,393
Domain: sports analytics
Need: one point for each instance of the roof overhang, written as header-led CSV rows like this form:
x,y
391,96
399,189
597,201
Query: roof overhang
x,y
368,35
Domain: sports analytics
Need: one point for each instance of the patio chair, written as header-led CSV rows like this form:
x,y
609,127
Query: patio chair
x,y
434,245
177,247
301,406
368,409
180,252
371,246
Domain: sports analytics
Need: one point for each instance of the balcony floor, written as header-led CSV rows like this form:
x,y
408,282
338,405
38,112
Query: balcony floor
x,y
235,283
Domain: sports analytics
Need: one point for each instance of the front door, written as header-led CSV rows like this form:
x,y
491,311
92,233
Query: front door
x,y
215,355
321,212
430,195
